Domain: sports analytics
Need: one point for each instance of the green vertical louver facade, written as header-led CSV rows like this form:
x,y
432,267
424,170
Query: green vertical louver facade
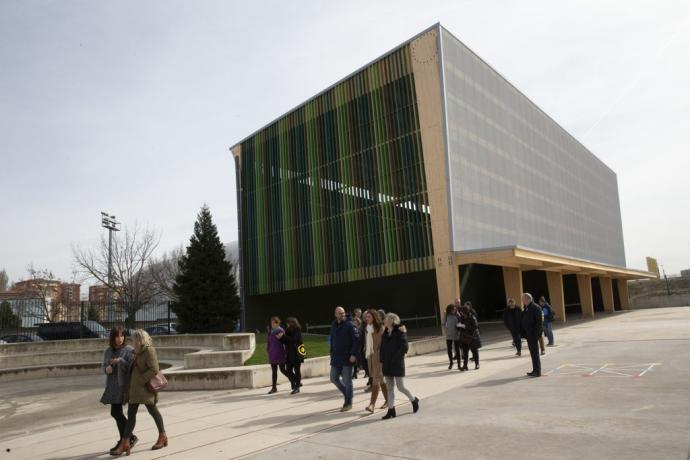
x,y
335,190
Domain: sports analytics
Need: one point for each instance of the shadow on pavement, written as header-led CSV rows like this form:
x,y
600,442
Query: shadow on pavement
x,y
99,454
497,382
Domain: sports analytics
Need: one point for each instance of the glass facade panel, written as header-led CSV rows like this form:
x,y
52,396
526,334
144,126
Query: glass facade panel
x,y
335,190
517,178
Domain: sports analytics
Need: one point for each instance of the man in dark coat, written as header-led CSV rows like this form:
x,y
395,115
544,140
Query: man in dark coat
x,y
344,341
531,330
512,318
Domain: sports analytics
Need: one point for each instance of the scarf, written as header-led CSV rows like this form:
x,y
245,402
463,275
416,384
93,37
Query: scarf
x,y
369,345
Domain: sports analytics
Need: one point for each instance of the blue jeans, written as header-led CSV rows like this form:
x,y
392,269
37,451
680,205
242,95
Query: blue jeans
x,y
548,331
341,377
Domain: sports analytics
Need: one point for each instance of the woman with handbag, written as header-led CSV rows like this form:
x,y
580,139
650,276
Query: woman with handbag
x,y
372,345
143,370
294,352
469,336
392,355
116,360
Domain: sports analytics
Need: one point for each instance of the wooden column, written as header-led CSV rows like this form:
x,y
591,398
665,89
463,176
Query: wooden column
x,y
623,293
556,296
447,282
584,285
426,57
512,280
607,293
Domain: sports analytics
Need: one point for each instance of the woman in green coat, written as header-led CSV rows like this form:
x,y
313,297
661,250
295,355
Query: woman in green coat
x,y
144,367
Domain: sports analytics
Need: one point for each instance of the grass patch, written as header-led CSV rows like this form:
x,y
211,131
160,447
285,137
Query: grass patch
x,y
316,345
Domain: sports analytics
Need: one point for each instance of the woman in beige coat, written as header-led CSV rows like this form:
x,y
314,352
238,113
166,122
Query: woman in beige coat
x,y
373,333
144,367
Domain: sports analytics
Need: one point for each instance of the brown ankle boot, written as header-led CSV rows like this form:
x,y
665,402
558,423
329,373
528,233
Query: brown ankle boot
x,y
162,442
122,448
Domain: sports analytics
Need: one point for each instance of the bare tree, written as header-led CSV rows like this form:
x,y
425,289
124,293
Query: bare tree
x,y
131,280
4,280
164,270
42,289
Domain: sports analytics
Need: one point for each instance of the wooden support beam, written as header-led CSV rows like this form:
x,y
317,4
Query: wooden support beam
x,y
584,285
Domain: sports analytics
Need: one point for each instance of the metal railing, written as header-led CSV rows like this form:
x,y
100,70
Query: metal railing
x,y
309,328
28,320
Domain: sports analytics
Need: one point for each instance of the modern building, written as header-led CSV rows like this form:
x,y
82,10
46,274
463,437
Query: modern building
x,y
422,177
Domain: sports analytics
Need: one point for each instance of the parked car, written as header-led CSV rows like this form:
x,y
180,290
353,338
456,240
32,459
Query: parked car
x,y
20,338
161,329
71,330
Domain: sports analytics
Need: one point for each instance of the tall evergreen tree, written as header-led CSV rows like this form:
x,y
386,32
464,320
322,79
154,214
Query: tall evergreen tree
x,y
205,286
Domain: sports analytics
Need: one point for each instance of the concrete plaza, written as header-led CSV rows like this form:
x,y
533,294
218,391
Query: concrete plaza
x,y
615,388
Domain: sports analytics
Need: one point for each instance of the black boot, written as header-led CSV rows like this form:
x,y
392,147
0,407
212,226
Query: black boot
x,y
273,390
389,414
415,405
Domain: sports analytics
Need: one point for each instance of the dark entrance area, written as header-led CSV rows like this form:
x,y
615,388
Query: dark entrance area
x,y
597,297
406,295
616,296
483,286
534,282
571,295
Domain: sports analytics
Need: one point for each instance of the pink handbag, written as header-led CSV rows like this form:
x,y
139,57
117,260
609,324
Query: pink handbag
x,y
157,383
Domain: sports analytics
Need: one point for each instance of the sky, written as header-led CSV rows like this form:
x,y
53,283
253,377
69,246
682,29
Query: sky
x,y
129,107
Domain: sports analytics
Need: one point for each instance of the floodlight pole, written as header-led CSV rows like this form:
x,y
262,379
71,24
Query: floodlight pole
x,y
109,222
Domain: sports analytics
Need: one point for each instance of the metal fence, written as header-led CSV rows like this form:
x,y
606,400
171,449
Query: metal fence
x,y
415,322
28,320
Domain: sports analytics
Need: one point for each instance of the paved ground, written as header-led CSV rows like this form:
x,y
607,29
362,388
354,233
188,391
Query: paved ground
x,y
617,389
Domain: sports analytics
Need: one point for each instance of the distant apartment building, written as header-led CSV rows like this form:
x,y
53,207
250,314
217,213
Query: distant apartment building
x,y
38,300
39,287
98,293
70,293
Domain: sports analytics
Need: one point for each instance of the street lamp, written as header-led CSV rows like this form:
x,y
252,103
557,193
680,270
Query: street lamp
x,y
109,222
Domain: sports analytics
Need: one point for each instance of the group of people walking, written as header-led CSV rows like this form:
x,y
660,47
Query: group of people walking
x,y
128,372
372,340
531,322
385,345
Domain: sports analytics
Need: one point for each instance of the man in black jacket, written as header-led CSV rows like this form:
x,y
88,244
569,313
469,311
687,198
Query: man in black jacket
x,y
531,330
344,342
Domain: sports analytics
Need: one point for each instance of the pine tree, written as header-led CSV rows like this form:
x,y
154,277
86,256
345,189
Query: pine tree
x,y
7,317
205,287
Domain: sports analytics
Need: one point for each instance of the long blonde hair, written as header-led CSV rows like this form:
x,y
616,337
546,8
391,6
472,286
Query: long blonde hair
x,y
142,337
392,318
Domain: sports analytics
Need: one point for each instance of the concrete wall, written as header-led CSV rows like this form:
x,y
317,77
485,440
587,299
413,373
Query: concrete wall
x,y
206,359
83,357
654,293
659,301
87,362
259,376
